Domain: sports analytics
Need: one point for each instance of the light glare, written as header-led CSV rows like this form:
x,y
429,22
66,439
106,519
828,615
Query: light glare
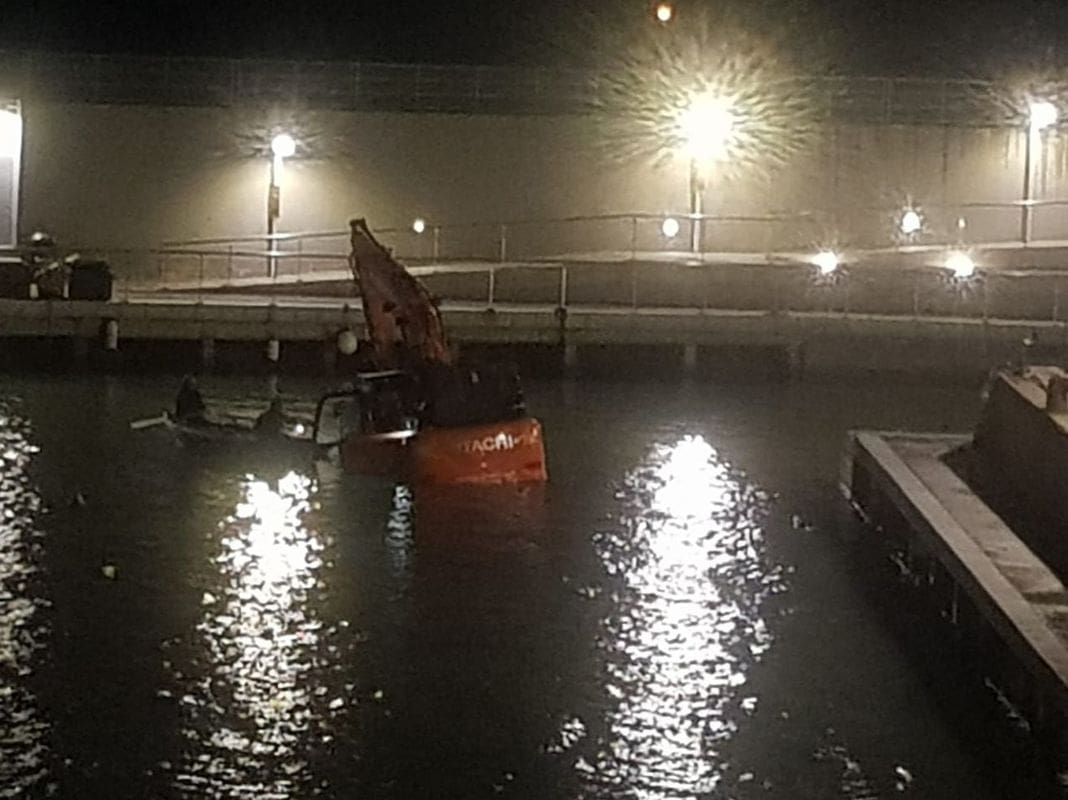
x,y
670,228
664,12
1043,114
283,145
911,222
706,125
419,225
960,264
826,261
10,134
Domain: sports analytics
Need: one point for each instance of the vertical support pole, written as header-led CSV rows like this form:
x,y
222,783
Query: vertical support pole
x,y
330,347
689,358
633,237
695,207
111,335
207,354
274,350
491,287
795,353
563,286
503,243
1056,300
945,167
80,350
230,264
570,356
300,258
633,284
1025,209
437,242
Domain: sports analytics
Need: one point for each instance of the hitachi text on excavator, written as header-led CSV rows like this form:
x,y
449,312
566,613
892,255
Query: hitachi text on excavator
x,y
421,412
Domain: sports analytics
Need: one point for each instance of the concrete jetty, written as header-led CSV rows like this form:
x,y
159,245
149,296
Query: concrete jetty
x,y
994,589
800,340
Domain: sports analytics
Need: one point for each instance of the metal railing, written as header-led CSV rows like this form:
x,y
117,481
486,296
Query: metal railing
x,y
175,81
613,237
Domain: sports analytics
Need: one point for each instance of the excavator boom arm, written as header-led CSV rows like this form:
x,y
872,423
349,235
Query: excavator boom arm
x,y
403,322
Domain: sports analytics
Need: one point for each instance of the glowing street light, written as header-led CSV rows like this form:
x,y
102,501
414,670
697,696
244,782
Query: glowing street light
x,y
826,261
706,126
960,264
282,147
10,134
665,12
911,222
1042,114
670,228
10,162
419,225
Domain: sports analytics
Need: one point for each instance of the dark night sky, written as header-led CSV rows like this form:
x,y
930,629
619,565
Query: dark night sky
x,y
872,36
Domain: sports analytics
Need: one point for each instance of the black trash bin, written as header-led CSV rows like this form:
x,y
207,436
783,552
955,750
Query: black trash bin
x,y
14,280
90,280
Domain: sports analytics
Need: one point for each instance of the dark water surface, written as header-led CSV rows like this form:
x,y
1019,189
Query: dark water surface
x,y
672,617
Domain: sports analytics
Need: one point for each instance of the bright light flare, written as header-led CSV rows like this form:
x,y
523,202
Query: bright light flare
x,y
665,12
826,261
707,125
283,145
1043,114
419,225
911,222
10,134
960,264
670,228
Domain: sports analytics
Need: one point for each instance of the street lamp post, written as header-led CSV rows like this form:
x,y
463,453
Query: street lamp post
x,y
282,147
1042,115
696,191
706,126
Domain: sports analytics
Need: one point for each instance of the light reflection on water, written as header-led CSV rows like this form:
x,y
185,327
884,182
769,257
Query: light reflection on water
x,y
23,746
262,705
686,623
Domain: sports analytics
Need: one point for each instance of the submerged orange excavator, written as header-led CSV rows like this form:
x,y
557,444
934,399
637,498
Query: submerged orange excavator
x,y
422,412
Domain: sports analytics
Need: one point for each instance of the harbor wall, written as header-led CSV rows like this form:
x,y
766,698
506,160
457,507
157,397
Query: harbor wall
x,y
135,176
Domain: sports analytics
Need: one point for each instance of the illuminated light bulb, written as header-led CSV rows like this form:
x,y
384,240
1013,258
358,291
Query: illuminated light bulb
x,y
960,264
826,261
670,228
1043,114
911,222
283,145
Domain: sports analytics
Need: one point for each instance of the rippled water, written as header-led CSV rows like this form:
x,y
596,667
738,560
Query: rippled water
x,y
671,617
24,749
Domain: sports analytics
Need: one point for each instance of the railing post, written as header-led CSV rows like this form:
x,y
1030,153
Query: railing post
x,y
437,242
200,279
633,283
503,242
492,287
563,286
230,263
633,237
300,258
